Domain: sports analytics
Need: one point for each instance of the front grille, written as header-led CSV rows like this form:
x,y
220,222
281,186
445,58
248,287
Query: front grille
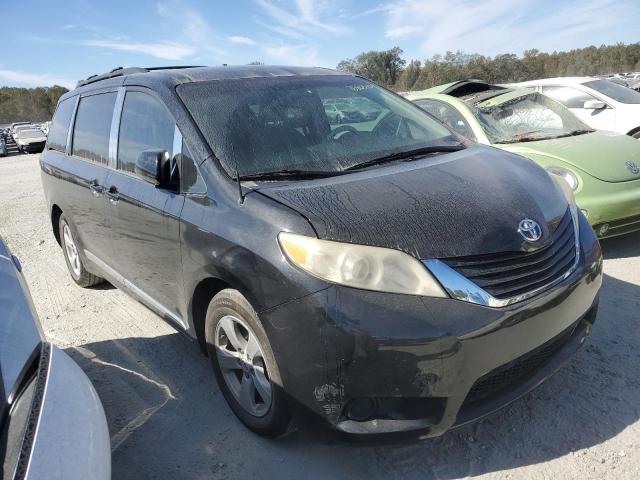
x,y
520,369
509,274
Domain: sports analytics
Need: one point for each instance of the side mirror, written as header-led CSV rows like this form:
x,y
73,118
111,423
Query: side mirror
x,y
594,105
154,166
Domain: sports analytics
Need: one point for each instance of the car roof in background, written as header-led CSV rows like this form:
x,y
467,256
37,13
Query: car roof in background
x,y
459,89
559,81
472,91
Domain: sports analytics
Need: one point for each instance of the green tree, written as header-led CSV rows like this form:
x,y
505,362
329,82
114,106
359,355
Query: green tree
x,y
381,67
388,68
29,104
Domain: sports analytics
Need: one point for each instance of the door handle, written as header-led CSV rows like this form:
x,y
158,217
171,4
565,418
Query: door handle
x,y
113,196
96,188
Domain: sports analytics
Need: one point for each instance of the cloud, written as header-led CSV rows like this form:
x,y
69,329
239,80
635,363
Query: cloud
x,y
498,26
402,32
302,18
192,37
192,29
241,40
34,79
303,55
164,50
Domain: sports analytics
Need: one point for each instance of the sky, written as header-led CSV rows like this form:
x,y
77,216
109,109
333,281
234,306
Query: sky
x,y
61,41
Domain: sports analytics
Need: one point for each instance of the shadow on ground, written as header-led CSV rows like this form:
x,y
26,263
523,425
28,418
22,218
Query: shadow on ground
x,y
168,419
625,246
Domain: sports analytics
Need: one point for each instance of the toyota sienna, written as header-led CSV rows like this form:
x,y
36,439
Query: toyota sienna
x,y
373,269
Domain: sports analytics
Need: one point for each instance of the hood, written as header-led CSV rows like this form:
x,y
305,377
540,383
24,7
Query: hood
x,y
463,203
602,155
31,139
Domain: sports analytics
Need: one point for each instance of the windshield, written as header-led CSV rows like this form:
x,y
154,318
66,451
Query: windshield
x,y
613,90
527,118
321,123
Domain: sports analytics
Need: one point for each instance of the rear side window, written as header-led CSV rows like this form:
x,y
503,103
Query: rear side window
x,y
145,125
60,125
619,93
93,127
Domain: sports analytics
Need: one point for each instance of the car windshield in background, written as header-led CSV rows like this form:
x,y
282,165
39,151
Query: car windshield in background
x,y
613,90
527,118
321,124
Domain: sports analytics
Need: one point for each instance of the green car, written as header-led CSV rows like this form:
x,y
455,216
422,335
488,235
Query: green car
x,y
602,168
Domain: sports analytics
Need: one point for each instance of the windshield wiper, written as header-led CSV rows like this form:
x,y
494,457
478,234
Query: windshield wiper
x,y
528,137
406,155
289,174
573,133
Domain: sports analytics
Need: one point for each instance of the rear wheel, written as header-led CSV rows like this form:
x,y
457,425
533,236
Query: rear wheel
x,y
244,364
79,274
636,135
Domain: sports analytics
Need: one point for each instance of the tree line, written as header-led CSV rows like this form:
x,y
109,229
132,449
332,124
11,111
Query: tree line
x,y
29,104
389,69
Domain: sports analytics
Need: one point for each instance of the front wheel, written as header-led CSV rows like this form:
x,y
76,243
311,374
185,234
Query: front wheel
x,y
636,135
79,274
244,365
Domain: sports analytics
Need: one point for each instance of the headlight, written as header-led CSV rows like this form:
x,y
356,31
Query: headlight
x,y
568,195
567,175
360,266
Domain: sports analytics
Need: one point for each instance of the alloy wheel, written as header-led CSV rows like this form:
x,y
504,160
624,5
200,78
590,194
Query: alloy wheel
x,y
241,361
72,251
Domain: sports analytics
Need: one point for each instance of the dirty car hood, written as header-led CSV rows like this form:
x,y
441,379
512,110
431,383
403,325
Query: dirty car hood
x,y
602,155
464,203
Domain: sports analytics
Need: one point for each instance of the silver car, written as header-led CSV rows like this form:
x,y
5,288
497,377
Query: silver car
x,y
52,423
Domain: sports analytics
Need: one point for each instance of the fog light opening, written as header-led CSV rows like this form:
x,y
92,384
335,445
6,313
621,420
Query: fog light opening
x,y
585,213
361,409
603,229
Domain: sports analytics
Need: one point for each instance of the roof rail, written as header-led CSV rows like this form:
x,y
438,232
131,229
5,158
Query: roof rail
x,y
121,71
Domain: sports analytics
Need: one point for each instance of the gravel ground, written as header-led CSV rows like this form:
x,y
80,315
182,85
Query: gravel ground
x,y
168,419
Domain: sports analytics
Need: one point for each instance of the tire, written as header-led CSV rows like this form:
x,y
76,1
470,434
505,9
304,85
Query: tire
x,y
243,371
78,272
636,135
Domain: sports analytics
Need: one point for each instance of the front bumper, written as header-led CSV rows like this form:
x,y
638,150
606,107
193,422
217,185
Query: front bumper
x,y
370,362
35,147
616,205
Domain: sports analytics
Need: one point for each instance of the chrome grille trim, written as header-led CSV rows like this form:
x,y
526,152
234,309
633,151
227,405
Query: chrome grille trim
x,y
461,288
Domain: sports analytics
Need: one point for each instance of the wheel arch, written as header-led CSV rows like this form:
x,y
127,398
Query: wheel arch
x,y
203,293
634,131
56,212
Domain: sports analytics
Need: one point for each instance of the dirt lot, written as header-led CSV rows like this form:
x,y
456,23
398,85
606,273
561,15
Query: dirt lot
x,y
168,419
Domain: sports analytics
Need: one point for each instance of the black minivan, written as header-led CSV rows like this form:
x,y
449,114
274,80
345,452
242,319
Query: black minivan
x,y
335,250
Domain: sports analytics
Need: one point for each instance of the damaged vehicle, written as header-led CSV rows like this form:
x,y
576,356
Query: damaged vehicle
x,y
380,275
52,424
602,168
30,140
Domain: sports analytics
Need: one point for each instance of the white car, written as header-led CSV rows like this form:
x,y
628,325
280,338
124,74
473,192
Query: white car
x,y
30,140
600,103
